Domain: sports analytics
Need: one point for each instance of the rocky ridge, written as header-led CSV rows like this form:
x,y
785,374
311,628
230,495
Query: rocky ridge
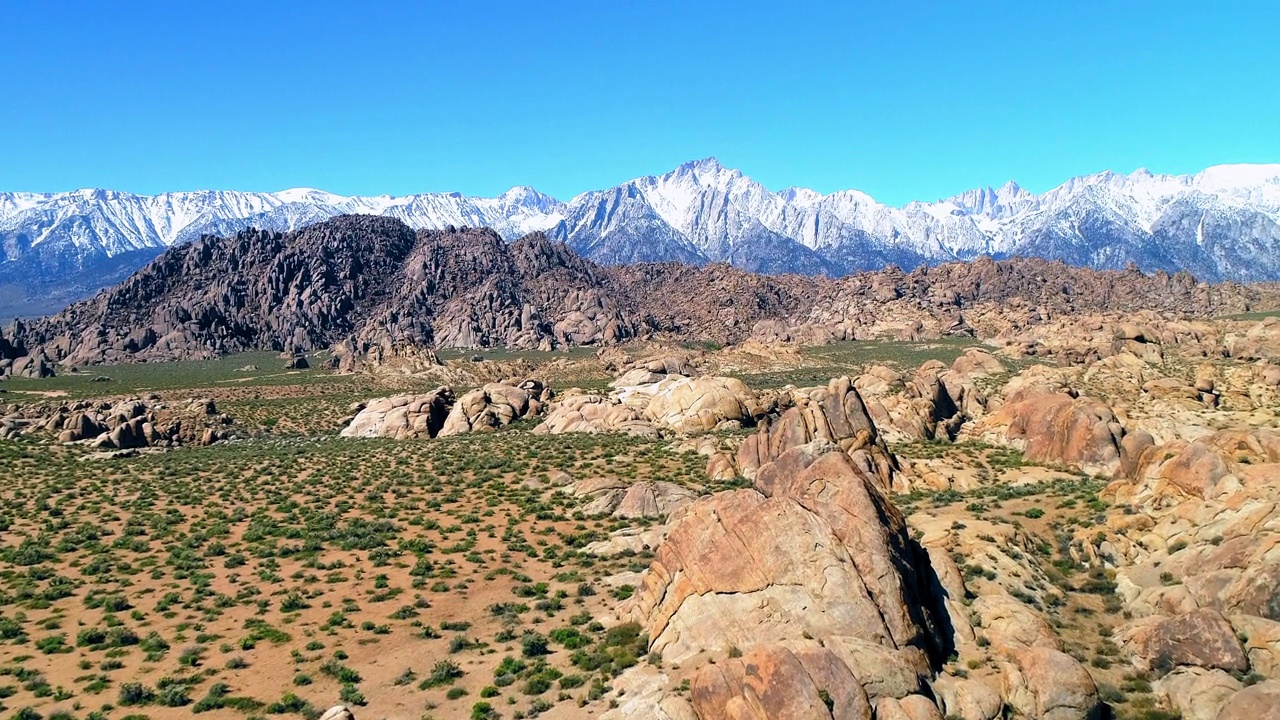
x,y
376,294
738,596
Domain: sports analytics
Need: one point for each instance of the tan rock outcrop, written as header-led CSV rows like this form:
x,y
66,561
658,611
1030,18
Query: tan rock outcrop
x,y
492,406
1257,702
835,414
402,416
622,498
1196,693
969,699
127,424
586,413
774,681
816,548
1202,638
693,405
1040,682
1054,427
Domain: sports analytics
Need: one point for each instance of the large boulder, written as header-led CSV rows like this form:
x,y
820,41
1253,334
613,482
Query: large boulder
x,y
835,414
694,405
816,550
586,413
1056,428
1257,702
1202,638
976,363
1040,682
779,682
622,498
969,698
1197,693
402,416
490,407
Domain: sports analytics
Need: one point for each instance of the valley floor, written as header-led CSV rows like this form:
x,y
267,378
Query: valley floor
x,y
286,569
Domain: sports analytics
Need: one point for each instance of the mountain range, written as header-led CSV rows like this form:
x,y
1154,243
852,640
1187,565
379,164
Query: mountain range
x,y
1219,224
371,289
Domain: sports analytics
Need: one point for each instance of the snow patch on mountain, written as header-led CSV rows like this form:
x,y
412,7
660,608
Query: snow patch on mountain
x,y
1221,223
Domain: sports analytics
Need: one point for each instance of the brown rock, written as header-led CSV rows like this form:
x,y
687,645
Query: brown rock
x,y
1202,638
1197,693
1010,625
1257,702
821,551
775,682
968,699
975,363
1041,682
1054,427
834,414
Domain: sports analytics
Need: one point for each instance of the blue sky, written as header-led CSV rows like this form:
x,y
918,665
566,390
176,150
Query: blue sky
x,y
903,100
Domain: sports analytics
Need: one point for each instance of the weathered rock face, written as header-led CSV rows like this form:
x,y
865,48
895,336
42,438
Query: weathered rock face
x,y
1202,638
621,498
1040,682
779,682
402,416
122,425
1054,427
835,414
814,549
974,363
1199,694
932,405
646,403
693,405
29,366
1258,702
438,414
1201,469
493,406
593,414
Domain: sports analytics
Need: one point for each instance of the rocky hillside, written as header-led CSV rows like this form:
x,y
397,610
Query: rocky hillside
x,y
371,288
1222,223
366,278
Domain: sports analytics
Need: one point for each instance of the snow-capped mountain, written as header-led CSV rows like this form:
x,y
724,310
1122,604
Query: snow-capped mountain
x,y
1222,223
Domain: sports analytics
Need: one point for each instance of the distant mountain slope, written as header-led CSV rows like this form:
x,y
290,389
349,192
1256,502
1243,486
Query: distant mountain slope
x,y
1222,223
372,288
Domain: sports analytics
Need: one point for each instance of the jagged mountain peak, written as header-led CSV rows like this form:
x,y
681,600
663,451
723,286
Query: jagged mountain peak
x,y
1223,222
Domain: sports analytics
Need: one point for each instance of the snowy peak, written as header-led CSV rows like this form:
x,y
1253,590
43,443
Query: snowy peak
x,y
1220,223
1008,200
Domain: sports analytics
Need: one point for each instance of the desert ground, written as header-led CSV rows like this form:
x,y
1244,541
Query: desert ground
x,y
1098,534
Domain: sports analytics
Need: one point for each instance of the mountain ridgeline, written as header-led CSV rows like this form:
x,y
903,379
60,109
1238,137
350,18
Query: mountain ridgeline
x,y
371,287
1219,224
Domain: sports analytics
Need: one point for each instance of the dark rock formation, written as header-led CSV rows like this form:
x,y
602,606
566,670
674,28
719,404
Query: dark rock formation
x,y
370,289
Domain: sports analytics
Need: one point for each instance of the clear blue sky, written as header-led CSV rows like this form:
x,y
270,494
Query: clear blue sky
x,y
904,100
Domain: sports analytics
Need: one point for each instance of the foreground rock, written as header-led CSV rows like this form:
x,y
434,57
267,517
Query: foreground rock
x,y
493,406
586,413
644,402
692,405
